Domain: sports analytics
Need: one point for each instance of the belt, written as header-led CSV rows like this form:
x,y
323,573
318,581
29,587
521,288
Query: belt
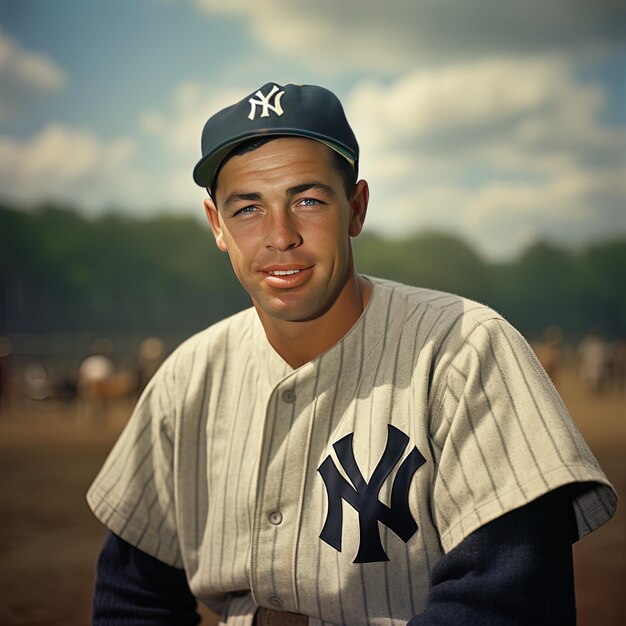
x,y
268,617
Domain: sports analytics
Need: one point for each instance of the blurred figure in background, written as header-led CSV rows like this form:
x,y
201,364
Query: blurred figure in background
x,y
94,375
618,366
36,381
149,358
593,354
549,351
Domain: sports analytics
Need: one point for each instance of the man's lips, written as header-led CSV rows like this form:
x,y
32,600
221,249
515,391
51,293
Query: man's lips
x,y
284,270
286,276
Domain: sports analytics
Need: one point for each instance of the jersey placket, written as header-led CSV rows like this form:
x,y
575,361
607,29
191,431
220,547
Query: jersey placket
x,y
282,469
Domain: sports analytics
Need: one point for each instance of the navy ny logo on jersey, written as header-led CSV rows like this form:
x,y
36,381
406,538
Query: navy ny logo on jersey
x,y
363,496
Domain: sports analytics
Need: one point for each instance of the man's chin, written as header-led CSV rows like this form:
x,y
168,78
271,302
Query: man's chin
x,y
285,311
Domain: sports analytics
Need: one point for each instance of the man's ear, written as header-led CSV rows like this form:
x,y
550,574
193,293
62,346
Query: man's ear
x,y
216,226
358,207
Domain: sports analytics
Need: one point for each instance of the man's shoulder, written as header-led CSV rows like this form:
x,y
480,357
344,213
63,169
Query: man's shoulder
x,y
439,309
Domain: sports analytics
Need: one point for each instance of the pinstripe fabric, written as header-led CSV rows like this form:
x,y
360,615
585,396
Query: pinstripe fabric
x,y
216,471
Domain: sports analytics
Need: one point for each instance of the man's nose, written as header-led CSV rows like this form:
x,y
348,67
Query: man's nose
x,y
283,233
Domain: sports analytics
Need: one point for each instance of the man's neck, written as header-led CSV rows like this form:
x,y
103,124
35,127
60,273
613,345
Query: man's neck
x,y
301,342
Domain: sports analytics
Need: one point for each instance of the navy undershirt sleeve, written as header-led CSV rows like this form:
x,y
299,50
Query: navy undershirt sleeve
x,y
133,588
517,569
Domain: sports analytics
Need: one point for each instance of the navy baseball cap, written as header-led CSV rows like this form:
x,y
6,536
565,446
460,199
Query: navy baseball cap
x,y
283,110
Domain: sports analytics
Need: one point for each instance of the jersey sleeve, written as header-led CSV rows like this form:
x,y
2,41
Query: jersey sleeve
x,y
503,438
133,494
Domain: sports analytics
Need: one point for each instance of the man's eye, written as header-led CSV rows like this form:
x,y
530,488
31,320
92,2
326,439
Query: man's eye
x,y
247,210
308,202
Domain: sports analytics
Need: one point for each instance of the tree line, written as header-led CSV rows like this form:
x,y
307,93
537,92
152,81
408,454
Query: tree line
x,y
61,271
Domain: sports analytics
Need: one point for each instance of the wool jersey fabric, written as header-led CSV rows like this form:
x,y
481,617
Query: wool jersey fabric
x,y
332,490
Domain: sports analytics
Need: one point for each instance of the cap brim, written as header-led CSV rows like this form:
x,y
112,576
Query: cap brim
x,y
206,168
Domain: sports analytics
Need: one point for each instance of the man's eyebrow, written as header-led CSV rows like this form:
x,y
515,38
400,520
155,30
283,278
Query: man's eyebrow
x,y
293,191
235,197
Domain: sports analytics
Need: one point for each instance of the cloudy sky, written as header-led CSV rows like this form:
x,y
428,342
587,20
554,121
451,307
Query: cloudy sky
x,y
502,122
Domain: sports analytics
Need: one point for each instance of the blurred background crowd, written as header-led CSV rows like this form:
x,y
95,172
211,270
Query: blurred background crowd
x,y
88,381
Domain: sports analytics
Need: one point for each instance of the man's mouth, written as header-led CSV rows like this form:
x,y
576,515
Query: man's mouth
x,y
286,277
284,272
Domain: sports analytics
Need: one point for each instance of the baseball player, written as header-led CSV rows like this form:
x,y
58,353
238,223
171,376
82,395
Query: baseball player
x,y
349,450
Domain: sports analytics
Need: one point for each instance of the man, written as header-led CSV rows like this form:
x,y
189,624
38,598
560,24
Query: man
x,y
349,450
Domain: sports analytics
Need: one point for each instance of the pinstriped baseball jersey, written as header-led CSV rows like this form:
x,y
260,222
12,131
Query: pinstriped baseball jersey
x,y
332,490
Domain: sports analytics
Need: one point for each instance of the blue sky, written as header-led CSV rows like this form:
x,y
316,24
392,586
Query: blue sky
x,y
500,122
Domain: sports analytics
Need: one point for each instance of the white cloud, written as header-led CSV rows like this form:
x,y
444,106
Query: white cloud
x,y
500,218
178,132
322,35
192,103
560,199
571,208
497,150
23,74
66,163
398,34
69,164
510,105
33,69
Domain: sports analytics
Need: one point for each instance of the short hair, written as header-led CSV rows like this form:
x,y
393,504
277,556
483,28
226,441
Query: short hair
x,y
340,163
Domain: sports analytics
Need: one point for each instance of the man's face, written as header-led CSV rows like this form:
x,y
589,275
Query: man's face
x,y
285,220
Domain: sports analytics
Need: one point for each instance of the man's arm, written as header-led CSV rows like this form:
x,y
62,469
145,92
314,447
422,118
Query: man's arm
x,y
515,570
134,589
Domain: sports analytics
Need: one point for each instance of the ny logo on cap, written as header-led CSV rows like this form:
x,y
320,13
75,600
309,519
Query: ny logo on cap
x,y
264,101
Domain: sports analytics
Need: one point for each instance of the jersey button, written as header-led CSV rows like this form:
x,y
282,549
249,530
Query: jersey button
x,y
289,396
277,602
275,517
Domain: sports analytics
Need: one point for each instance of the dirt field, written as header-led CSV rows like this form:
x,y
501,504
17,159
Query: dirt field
x,y
49,539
